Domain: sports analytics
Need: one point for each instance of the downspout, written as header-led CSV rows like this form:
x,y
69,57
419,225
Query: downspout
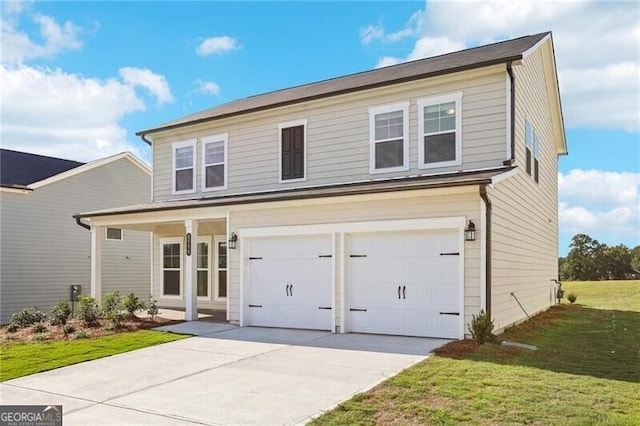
x,y
487,238
512,101
144,138
81,223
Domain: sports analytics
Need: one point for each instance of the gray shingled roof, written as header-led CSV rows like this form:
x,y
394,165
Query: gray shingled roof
x,y
19,169
477,57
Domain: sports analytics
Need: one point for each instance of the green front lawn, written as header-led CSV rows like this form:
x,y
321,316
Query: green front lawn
x,y
586,372
21,359
622,295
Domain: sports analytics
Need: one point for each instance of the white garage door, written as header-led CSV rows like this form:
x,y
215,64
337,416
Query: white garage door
x,y
405,283
288,282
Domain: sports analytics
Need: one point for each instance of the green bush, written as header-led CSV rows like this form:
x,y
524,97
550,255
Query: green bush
x,y
67,329
60,313
87,310
12,328
27,317
152,309
39,337
572,297
481,327
132,304
39,327
81,334
113,310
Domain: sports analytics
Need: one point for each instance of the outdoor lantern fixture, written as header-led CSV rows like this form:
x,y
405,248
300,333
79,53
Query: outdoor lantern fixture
x,y
233,239
470,232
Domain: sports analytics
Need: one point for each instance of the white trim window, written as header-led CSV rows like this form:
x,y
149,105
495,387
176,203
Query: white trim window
x,y
183,167
440,131
220,267
214,162
536,156
529,136
293,151
389,138
113,234
203,267
171,268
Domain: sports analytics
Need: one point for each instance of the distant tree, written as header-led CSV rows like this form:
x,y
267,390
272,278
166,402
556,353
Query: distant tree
x,y
563,269
635,258
618,261
586,259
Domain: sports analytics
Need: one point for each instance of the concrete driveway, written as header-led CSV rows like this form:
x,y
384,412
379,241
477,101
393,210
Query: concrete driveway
x,y
225,375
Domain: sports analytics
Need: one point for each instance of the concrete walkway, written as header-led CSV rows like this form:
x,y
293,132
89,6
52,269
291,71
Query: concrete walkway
x,y
225,375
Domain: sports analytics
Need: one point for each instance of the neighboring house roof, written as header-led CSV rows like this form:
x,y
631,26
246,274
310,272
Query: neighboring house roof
x,y
477,57
20,169
455,179
23,169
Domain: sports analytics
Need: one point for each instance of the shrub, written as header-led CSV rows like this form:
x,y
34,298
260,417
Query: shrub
x,y
39,327
67,329
81,334
481,327
87,310
132,304
152,309
40,337
27,317
12,328
572,297
113,310
60,313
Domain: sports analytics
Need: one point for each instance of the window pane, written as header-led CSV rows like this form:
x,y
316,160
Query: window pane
x,y
382,133
214,152
432,112
222,284
527,133
184,157
114,234
431,125
171,283
184,179
536,146
389,125
389,154
203,256
448,123
203,283
222,255
440,148
448,109
171,256
440,117
215,176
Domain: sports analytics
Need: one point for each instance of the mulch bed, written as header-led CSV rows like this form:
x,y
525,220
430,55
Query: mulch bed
x,y
102,328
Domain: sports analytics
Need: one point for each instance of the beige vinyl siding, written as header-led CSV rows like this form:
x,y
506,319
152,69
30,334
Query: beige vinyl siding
x,y
338,135
205,229
525,214
355,209
43,251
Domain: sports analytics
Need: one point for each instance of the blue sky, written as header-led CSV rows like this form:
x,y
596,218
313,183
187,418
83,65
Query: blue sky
x,y
80,78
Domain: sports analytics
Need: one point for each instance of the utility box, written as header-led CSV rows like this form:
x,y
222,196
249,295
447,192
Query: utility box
x,y
76,290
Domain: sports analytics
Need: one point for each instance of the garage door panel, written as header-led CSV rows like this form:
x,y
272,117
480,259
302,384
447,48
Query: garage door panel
x,y
423,265
287,282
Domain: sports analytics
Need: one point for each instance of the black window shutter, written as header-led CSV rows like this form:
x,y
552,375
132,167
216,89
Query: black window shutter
x,y
293,153
536,171
528,161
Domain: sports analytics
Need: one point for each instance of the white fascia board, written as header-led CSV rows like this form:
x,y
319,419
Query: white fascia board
x,y
503,176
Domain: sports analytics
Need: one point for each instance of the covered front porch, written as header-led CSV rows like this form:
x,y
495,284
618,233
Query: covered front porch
x,y
189,258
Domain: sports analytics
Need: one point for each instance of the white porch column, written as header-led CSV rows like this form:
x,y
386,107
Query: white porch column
x,y
97,235
190,269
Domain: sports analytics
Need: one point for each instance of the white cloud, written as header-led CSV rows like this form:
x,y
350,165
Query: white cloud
x,y
155,84
386,61
377,32
217,45
52,112
596,46
18,46
370,33
600,203
207,87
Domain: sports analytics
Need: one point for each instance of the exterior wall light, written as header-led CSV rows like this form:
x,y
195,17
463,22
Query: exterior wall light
x,y
233,239
470,232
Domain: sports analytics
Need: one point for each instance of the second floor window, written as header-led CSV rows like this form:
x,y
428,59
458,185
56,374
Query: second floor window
x,y
389,151
184,158
293,156
528,142
214,157
439,129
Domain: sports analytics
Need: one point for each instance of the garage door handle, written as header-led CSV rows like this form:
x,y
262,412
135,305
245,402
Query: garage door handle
x,y
450,313
255,306
399,292
324,307
357,255
325,255
286,289
404,292
357,310
455,253
255,258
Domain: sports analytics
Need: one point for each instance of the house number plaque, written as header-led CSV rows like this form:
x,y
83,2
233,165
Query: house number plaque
x,y
188,243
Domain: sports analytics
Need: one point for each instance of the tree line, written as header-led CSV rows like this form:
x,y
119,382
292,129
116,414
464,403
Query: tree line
x,y
590,260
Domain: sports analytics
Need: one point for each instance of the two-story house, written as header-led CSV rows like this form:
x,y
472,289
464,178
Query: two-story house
x,y
396,201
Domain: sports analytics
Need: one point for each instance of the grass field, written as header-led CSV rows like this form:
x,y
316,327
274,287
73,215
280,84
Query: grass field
x,y
586,372
21,359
